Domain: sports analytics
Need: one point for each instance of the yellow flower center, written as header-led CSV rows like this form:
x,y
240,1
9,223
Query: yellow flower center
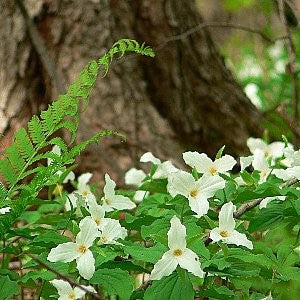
x,y
213,170
107,201
82,248
193,193
72,296
104,239
224,233
98,221
177,252
84,193
263,174
267,153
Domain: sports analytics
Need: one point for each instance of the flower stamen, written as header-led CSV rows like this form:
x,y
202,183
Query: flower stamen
x,y
224,233
194,193
177,252
213,170
82,248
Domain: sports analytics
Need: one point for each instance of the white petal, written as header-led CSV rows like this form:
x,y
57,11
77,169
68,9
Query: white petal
x,y
226,220
215,235
140,195
71,198
240,181
238,239
5,210
79,293
254,144
225,163
120,202
190,261
276,149
267,200
164,267
164,170
88,232
63,287
111,231
180,183
293,172
208,185
281,173
176,234
96,210
245,161
134,176
200,161
199,205
69,177
149,157
56,150
86,265
65,252
259,161
83,179
109,188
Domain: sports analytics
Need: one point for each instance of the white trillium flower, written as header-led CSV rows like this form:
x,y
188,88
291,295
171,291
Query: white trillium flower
x,y
135,177
4,210
111,231
260,164
203,164
292,157
83,190
97,213
246,161
71,176
196,191
267,200
178,254
274,150
269,297
164,169
240,181
112,201
79,250
287,174
66,292
226,232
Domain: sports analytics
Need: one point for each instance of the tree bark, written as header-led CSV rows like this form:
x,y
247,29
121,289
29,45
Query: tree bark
x,y
185,98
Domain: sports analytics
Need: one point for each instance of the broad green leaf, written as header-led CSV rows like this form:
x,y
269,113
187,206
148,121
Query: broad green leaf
x,y
172,287
114,282
8,288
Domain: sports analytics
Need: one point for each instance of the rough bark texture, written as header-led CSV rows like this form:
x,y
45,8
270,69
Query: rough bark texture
x,y
183,99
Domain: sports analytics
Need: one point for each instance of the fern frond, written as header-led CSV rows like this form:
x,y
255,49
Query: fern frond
x,y
7,171
3,192
61,114
24,144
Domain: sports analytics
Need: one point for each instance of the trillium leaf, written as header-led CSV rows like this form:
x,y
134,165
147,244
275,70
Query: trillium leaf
x,y
172,287
114,282
8,288
151,254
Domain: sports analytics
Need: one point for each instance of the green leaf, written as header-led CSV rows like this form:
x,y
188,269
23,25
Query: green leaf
x,y
114,282
172,287
220,152
266,217
157,231
8,288
151,254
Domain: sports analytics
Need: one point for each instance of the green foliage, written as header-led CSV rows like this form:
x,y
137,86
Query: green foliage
x,y
121,238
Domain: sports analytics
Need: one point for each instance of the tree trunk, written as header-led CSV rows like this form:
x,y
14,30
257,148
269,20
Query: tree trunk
x,y
184,98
